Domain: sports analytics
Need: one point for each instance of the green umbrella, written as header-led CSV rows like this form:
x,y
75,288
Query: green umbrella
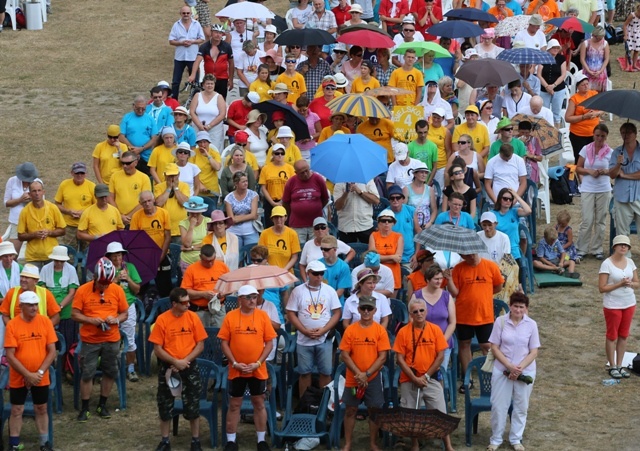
x,y
423,47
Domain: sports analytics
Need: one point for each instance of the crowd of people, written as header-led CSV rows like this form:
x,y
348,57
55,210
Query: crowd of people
x,y
212,178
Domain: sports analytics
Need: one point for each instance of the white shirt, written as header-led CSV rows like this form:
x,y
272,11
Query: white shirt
x,y
402,175
545,113
357,214
311,252
13,190
383,308
237,41
258,145
386,278
622,297
188,173
314,309
270,309
498,246
505,174
180,33
537,41
514,108
249,66
591,184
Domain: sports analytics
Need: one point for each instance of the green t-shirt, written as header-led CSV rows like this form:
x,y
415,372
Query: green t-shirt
x,y
427,153
518,148
133,275
59,292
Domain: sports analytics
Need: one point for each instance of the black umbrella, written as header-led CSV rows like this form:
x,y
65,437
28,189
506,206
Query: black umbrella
x,y
621,102
292,119
471,14
455,29
487,71
304,37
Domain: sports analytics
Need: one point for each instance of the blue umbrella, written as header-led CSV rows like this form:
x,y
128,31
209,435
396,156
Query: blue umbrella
x,y
455,29
471,14
349,158
526,55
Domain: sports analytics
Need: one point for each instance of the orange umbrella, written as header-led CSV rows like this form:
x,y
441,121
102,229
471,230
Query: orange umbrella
x,y
258,276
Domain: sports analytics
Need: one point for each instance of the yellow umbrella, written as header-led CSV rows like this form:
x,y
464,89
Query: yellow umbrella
x,y
359,105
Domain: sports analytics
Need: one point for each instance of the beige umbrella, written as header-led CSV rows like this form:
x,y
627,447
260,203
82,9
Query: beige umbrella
x,y
387,91
258,276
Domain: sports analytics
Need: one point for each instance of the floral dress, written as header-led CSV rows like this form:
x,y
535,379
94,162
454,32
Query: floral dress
x,y
633,32
563,238
533,146
595,59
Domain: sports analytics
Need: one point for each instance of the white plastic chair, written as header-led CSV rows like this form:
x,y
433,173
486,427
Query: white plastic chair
x,y
287,18
43,9
543,191
610,88
567,154
11,11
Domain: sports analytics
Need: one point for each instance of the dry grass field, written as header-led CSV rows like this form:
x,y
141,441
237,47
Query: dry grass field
x,y
59,90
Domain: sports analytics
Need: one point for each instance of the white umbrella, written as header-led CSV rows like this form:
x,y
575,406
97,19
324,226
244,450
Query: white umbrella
x,y
245,10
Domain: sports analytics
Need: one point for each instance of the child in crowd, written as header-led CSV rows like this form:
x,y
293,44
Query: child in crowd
x,y
551,256
565,235
534,151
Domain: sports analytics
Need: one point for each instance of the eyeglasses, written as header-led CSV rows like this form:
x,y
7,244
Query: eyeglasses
x,y
385,221
326,249
186,14
257,260
508,199
458,172
320,227
127,163
316,273
461,143
278,153
415,312
408,30
250,296
112,137
366,308
395,198
290,61
186,152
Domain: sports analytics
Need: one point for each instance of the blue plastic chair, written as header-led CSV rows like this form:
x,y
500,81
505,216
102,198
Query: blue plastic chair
x,y
230,303
360,249
299,425
383,205
79,262
474,406
29,410
140,341
282,368
59,366
399,316
161,306
176,273
208,409
245,256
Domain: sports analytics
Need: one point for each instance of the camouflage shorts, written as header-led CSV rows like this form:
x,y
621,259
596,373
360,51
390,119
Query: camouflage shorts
x,y
191,389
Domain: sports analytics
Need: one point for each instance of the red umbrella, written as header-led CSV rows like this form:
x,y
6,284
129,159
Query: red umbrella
x,y
367,38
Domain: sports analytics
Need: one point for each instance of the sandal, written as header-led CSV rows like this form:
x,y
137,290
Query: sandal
x,y
461,389
572,275
626,374
615,373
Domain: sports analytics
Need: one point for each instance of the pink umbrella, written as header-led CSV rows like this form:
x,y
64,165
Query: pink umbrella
x,y
258,276
366,38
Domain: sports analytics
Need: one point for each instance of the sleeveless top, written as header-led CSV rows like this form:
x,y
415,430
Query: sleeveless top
x,y
422,202
207,112
241,207
438,313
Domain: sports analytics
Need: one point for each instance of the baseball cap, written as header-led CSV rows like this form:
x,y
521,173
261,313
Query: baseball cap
x,y
366,301
316,265
400,150
28,297
393,190
79,167
101,190
319,220
438,111
113,130
246,290
489,217
278,211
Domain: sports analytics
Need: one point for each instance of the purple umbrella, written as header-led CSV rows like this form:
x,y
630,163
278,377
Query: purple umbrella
x,y
142,251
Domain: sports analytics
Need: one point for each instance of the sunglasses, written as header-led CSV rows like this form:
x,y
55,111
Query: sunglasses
x,y
408,30
294,46
395,198
127,163
257,260
278,153
458,172
320,227
290,61
157,97
112,137
366,308
415,312
326,249
316,273
79,173
508,199
461,143
508,129
186,152
330,88
386,221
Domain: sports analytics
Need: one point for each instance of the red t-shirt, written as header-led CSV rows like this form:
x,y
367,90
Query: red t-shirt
x,y
341,15
220,67
421,12
306,199
238,113
319,106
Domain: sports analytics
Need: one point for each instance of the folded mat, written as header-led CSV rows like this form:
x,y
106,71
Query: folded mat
x,y
549,279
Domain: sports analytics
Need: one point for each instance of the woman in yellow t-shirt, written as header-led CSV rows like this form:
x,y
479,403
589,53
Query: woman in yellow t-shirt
x,y
366,80
263,84
273,177
162,155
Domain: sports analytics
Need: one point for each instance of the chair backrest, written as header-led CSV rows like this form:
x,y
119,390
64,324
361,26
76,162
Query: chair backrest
x,y
245,256
399,315
377,209
62,344
360,249
212,346
161,306
499,308
176,273
207,368
532,200
438,189
484,379
230,303
288,19
140,312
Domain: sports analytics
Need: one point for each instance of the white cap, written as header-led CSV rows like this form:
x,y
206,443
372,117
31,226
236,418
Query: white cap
x,y
278,146
30,270
246,290
439,111
409,19
285,132
319,220
114,247
164,84
316,265
7,248
59,253
488,216
271,29
400,150
580,77
357,8
340,47
253,97
28,297
469,53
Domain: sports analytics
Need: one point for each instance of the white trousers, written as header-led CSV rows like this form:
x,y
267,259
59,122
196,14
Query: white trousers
x,y
503,391
595,207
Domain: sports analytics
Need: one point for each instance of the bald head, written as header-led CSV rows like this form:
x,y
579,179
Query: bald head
x,y
535,104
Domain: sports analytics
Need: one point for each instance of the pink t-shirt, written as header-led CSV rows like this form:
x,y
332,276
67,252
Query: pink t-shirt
x,y
306,199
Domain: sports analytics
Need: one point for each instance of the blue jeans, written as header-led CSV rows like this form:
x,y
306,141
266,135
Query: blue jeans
x,y
178,70
554,103
245,240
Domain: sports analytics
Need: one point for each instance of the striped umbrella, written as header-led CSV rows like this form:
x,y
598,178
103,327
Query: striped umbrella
x,y
571,23
526,55
358,105
447,237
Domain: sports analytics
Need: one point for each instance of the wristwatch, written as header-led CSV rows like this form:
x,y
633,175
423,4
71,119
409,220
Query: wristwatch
x,y
427,377
367,374
41,373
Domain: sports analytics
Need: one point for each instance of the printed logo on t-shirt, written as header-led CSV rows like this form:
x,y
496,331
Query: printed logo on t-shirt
x,y
367,341
180,332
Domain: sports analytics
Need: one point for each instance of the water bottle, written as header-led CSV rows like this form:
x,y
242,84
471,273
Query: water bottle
x,y
607,382
286,447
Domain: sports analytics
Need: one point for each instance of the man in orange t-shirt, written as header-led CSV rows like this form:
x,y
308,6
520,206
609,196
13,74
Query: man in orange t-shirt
x,y
30,344
29,277
99,306
200,280
419,348
247,339
364,349
178,339
473,283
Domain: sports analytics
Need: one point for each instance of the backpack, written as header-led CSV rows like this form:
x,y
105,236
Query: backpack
x,y
310,400
68,358
560,193
151,295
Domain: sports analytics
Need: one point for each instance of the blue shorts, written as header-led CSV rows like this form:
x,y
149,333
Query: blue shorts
x,y
316,357
611,5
